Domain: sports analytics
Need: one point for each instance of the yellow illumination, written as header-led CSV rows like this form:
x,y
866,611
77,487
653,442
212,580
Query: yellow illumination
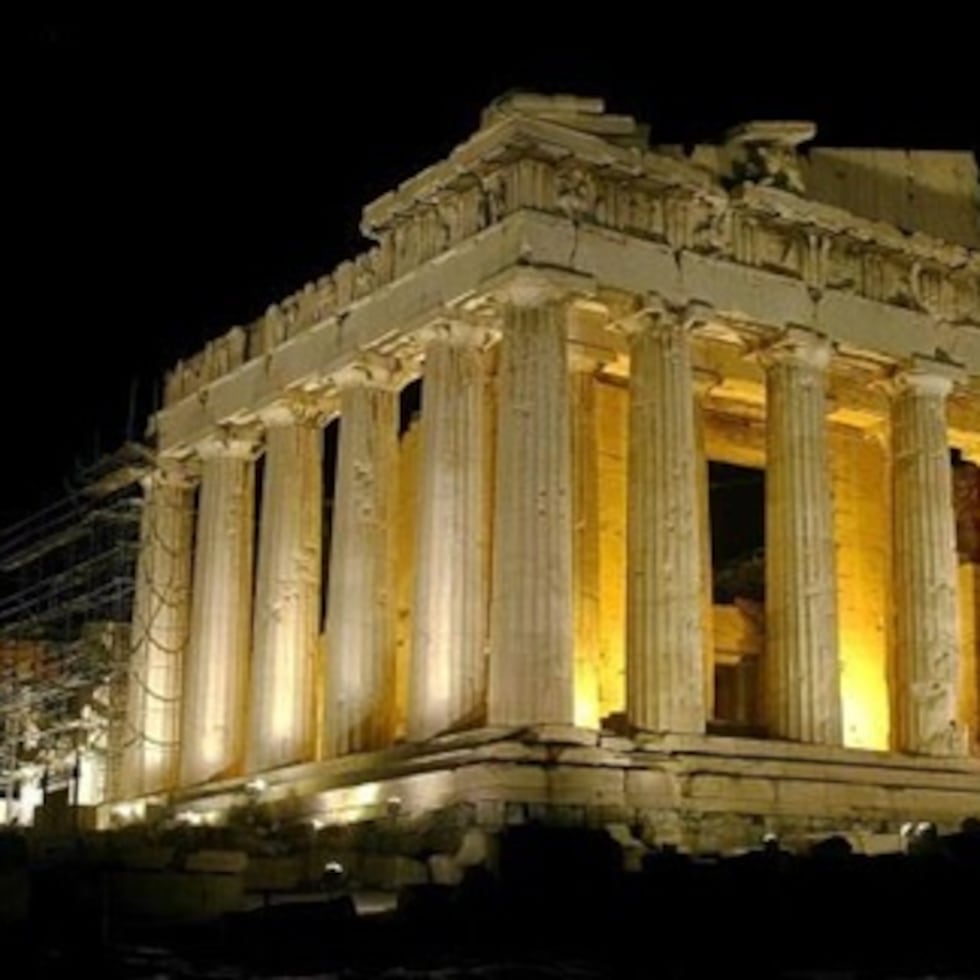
x,y
864,698
587,689
862,536
612,405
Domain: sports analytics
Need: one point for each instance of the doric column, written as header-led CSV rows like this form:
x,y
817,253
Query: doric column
x,y
287,597
161,619
926,606
215,679
802,689
664,652
531,659
585,538
447,684
359,704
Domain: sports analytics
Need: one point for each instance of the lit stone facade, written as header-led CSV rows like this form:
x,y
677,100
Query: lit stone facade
x,y
591,321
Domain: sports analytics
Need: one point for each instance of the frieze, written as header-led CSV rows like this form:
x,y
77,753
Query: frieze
x,y
761,227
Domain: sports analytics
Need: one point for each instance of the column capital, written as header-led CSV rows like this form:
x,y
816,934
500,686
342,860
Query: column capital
x,y
368,370
181,474
926,375
459,330
653,312
230,442
529,287
797,345
299,408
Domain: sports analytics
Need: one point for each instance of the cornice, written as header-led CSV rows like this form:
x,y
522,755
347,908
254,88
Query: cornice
x,y
521,162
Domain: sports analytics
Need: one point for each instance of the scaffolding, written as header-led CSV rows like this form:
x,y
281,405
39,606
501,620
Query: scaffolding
x,y
66,594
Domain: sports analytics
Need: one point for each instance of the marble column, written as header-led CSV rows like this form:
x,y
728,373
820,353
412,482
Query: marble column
x,y
664,650
287,598
585,538
216,675
925,564
802,672
531,653
359,705
447,682
161,620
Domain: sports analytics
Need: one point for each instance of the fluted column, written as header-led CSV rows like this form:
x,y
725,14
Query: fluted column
x,y
802,689
161,619
215,680
926,603
664,652
359,704
287,598
585,538
447,688
531,658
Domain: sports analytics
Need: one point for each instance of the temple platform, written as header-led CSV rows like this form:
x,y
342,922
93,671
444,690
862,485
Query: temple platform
x,y
708,793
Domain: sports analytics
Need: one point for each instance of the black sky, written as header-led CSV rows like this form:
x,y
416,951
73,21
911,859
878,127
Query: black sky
x,y
168,178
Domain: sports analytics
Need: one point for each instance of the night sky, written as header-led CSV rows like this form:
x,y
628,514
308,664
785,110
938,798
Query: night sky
x,y
168,179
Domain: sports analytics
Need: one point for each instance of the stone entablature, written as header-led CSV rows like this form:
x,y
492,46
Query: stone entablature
x,y
530,157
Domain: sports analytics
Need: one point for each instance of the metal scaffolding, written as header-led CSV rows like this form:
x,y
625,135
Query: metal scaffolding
x,y
66,593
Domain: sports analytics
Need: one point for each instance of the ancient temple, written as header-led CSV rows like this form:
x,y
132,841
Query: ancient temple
x,y
505,600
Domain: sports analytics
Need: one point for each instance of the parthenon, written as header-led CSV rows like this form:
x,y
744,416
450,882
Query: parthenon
x,y
505,599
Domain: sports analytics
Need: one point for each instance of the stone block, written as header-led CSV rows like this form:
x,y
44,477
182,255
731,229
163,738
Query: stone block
x,y
856,796
711,786
500,781
586,786
580,755
801,796
650,788
510,751
564,735
617,743
732,792
749,791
